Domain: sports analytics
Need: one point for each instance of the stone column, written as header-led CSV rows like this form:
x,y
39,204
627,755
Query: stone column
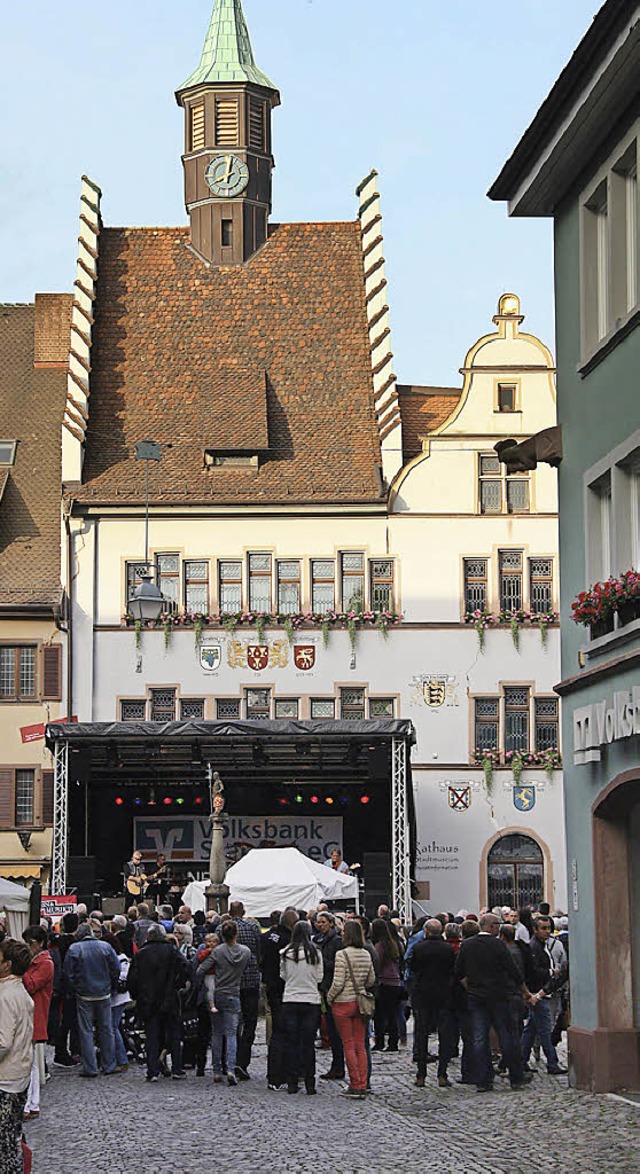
x,y
217,893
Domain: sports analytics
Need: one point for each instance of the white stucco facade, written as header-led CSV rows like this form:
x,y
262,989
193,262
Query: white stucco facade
x,y
433,521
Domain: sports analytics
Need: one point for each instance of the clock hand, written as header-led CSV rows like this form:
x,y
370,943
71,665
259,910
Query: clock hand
x,y
229,163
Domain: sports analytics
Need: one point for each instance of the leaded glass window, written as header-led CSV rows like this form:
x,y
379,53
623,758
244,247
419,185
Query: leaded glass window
x,y
352,582
546,719
352,704
475,584
541,584
163,705
227,708
510,580
196,585
381,573
323,586
192,709
323,707
289,587
230,587
133,710
25,797
287,708
516,717
487,723
260,582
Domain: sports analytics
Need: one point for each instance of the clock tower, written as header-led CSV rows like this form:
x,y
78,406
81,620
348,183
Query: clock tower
x,y
228,163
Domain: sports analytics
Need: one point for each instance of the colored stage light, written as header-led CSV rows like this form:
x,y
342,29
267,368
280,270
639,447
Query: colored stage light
x,y
344,799
365,799
299,799
119,801
315,799
329,800
167,801
283,802
180,801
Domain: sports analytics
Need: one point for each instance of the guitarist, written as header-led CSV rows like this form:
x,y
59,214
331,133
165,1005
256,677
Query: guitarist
x,y
159,880
135,880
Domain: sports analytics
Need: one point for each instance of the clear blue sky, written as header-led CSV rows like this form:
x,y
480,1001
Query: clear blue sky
x,y
433,94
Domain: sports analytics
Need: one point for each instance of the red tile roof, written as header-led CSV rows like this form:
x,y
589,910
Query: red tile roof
x,y
31,408
422,409
274,353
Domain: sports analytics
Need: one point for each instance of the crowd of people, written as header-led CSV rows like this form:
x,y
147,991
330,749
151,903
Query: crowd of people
x,y
166,989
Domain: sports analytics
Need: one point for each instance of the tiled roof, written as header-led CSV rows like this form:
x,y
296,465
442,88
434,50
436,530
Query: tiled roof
x,y
422,409
31,407
169,334
227,55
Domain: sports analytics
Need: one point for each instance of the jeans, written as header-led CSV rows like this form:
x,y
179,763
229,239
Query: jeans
x,y
163,1031
225,1028
98,1012
11,1109
203,1042
249,999
466,1059
277,1045
429,1019
116,1019
385,1019
484,1016
540,1023
352,1026
300,1024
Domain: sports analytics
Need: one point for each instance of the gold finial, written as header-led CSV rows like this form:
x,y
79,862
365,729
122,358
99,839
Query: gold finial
x,y
509,306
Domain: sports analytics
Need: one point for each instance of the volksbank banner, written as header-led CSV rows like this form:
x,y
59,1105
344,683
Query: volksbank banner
x,y
602,722
188,838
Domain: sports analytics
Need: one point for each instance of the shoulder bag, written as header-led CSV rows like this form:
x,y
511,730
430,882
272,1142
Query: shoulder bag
x,y
365,999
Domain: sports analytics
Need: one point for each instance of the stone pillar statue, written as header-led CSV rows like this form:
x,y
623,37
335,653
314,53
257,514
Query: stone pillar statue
x,y
217,893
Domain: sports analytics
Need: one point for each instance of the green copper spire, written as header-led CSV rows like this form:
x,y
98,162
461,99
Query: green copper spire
x,y
227,55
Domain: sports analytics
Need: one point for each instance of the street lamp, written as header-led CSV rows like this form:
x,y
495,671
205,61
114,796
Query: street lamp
x,y
147,601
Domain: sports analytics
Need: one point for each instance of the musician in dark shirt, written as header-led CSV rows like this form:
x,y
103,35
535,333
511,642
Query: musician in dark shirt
x,y
159,880
134,869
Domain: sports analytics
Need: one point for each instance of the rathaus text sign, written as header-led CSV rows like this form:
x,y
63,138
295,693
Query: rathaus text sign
x,y
602,722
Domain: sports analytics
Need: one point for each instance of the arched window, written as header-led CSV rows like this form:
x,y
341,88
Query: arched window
x,y
515,872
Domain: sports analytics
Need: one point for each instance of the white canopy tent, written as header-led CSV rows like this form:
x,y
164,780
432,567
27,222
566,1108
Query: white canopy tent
x,y
272,878
14,903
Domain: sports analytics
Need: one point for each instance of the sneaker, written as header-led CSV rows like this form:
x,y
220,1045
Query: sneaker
x,y
444,1082
121,1067
242,1073
65,1062
275,1087
232,1079
153,1079
526,1079
559,1071
178,1076
89,1075
218,1078
357,1094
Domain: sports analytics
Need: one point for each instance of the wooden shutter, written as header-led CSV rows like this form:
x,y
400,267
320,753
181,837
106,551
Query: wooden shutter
x,y
52,672
197,127
47,798
256,124
7,819
226,123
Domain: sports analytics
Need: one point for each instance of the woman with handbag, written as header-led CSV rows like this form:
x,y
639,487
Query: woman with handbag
x,y
352,1003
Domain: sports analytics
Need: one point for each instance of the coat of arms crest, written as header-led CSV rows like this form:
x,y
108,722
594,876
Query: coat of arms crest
x,y
434,690
257,656
459,798
304,656
210,657
524,798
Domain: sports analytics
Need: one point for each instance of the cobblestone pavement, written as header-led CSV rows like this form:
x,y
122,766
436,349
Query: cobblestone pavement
x,y
122,1125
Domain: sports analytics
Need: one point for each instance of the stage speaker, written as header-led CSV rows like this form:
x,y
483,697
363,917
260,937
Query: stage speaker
x,y
81,873
80,766
112,905
376,867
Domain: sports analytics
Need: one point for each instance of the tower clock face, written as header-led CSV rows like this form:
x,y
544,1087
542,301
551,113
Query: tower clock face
x,y
227,176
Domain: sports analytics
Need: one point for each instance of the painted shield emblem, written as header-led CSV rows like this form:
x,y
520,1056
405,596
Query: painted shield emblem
x,y
434,691
459,798
524,798
257,656
210,657
304,656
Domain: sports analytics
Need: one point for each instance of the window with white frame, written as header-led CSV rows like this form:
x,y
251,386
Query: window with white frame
x,y
168,579
323,585
163,705
230,586
17,672
476,591
287,708
500,492
289,594
516,717
381,707
192,709
196,585
487,715
507,397
227,708
323,708
352,704
599,528
541,585
352,568
7,452
260,582
381,584
133,710
547,735
25,787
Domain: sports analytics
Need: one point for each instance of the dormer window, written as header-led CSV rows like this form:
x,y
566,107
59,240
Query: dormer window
x,y
8,452
507,397
215,459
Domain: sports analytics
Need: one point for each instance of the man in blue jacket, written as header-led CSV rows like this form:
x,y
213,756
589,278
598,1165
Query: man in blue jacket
x,y
91,972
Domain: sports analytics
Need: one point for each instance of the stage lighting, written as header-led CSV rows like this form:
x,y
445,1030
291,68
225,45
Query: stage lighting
x,y
314,799
344,799
365,799
152,798
138,801
299,799
283,801
180,801
167,801
119,801
198,800
329,800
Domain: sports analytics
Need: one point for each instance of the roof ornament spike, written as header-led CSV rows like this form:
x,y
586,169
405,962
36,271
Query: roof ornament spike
x,y
227,55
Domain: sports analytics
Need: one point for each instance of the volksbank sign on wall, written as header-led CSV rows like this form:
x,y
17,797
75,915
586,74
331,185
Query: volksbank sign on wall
x,y
602,722
189,838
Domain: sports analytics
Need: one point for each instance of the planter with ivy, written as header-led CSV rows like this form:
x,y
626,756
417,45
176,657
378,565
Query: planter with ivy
x,y
481,619
489,760
351,621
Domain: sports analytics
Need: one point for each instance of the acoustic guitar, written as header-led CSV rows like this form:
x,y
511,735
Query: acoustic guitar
x,y
138,885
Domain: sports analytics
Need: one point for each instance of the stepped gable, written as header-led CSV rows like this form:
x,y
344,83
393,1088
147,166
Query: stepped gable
x,y
270,358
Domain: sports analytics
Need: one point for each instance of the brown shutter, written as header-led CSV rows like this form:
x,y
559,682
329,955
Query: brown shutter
x,y
52,672
256,124
197,127
227,129
47,798
6,796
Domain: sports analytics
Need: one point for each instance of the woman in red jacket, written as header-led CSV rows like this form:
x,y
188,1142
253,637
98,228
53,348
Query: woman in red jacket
x,y
39,982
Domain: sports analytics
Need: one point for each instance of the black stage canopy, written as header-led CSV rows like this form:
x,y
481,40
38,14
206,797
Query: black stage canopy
x,y
177,752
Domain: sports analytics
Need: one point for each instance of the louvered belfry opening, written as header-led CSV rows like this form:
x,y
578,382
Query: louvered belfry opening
x,y
227,122
197,127
256,124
